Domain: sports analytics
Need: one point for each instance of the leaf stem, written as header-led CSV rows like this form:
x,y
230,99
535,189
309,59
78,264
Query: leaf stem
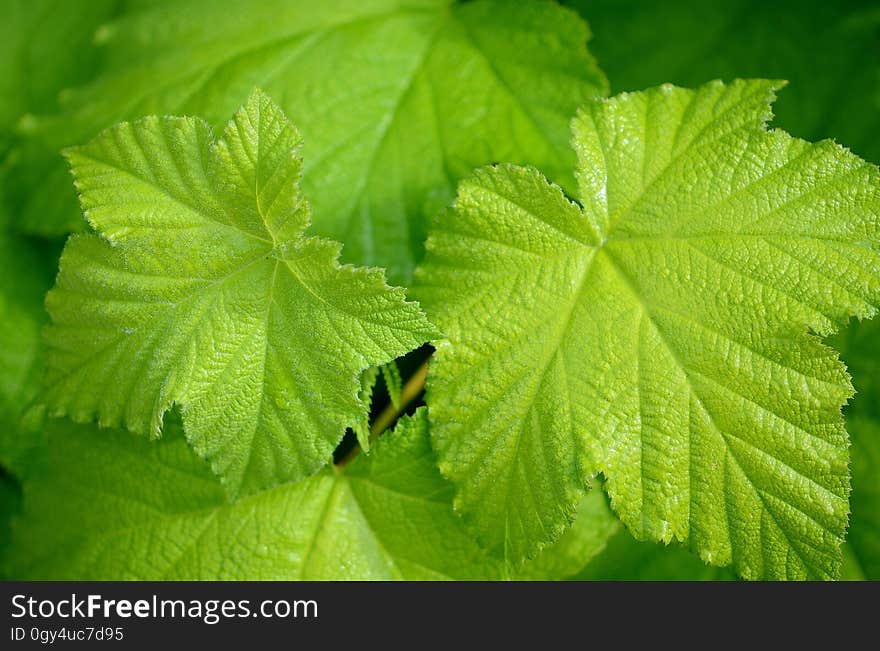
x,y
411,390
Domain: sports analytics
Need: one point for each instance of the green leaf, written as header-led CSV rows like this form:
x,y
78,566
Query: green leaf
x,y
657,332
204,292
362,428
396,100
825,49
860,347
133,509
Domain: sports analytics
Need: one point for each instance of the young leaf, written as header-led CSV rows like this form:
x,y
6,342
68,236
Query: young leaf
x,y
204,292
657,332
362,427
130,509
396,100
393,382
394,385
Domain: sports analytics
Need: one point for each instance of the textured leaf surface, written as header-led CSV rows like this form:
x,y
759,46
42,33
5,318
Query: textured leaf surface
x,y
131,509
860,348
594,526
396,99
821,48
204,292
657,332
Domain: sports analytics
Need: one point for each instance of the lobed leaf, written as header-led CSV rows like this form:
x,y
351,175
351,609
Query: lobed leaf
x,y
200,289
657,332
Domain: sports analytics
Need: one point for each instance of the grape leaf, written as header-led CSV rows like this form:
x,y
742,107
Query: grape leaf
x,y
393,385
860,347
823,49
396,99
131,509
657,332
204,292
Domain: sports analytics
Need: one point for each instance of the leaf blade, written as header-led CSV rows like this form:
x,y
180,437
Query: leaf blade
x,y
679,324
512,74
161,515
203,297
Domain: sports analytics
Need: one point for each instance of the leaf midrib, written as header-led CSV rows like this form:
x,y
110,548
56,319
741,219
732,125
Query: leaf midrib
x,y
674,353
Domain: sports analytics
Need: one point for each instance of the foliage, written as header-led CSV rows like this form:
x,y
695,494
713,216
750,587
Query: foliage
x,y
634,318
